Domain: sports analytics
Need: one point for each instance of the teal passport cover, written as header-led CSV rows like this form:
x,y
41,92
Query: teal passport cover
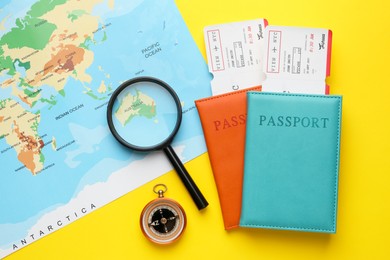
x,y
291,162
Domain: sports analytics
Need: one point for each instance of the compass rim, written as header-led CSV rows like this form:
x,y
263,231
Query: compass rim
x,y
145,215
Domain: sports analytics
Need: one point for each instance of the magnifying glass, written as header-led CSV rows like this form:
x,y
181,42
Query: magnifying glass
x,y
144,114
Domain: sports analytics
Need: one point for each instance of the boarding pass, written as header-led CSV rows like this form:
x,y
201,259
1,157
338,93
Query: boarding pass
x,y
235,55
297,60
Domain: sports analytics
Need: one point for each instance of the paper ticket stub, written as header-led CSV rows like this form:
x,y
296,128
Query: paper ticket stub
x,y
235,55
297,60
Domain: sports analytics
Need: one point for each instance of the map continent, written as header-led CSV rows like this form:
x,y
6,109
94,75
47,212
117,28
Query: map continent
x,y
45,48
20,130
137,105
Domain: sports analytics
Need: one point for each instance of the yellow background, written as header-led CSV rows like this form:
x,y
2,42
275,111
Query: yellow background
x,y
360,72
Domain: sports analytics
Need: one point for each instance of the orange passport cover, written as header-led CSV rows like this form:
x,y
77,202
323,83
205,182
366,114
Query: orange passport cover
x,y
223,119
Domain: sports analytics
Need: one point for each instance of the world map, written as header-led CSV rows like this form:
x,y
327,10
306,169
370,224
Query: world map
x,y
60,61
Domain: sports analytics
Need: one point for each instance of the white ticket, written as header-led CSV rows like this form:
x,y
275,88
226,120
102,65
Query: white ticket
x,y
235,55
297,60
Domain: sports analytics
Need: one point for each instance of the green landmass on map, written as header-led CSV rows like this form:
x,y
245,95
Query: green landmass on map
x,y
30,31
25,65
35,33
43,6
135,105
75,14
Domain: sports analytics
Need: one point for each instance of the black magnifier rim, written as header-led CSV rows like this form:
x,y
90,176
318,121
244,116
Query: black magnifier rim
x,y
128,83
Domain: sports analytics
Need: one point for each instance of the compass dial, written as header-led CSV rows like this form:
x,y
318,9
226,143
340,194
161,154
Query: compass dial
x,y
163,221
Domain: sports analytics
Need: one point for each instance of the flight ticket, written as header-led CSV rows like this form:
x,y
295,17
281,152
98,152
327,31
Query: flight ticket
x,y
297,59
235,55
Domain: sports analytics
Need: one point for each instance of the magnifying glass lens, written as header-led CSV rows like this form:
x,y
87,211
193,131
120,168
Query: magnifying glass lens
x,y
144,114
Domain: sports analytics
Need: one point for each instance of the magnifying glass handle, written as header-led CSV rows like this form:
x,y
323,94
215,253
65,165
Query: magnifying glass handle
x,y
185,177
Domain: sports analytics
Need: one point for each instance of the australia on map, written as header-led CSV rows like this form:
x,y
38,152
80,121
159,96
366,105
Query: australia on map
x,y
138,105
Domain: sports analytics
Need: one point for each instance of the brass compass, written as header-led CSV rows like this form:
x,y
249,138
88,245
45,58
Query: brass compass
x,y
162,220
